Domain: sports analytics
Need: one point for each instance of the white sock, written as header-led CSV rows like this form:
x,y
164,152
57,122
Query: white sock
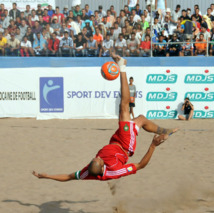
x,y
122,65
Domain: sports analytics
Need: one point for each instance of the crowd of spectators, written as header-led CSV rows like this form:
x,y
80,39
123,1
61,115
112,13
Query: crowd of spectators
x,y
78,31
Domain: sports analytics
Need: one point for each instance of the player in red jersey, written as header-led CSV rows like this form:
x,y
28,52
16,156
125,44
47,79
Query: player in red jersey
x,y
110,161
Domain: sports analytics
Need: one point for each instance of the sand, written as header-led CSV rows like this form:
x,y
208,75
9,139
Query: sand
x,y
179,178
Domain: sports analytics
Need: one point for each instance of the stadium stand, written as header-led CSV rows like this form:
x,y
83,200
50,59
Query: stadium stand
x,y
79,31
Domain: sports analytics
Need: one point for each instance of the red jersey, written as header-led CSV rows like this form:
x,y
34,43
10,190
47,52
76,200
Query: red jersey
x,y
115,155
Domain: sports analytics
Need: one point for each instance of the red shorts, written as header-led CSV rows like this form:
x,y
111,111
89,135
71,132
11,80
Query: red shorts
x,y
125,136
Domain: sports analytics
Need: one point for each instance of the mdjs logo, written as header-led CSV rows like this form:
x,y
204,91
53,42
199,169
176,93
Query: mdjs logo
x,y
200,96
199,78
51,94
161,96
203,114
161,114
161,79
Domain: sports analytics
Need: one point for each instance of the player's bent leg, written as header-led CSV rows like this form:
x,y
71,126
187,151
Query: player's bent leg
x,y
125,94
142,122
181,117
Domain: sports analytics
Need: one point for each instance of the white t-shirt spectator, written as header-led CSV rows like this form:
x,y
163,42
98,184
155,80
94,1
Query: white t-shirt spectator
x,y
27,44
120,43
74,3
108,44
36,18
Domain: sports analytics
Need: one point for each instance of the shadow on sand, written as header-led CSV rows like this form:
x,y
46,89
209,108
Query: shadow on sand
x,y
53,206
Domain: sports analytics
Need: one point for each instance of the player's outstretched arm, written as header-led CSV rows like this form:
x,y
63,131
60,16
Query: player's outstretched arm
x,y
157,140
62,177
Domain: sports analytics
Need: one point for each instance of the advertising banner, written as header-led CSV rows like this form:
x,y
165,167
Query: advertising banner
x,y
77,92
21,4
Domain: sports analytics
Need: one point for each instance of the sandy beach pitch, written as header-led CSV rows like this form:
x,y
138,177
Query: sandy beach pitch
x,y
179,178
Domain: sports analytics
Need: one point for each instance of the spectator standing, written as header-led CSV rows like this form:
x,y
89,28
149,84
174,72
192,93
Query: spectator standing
x,y
127,12
197,15
66,45
23,27
88,12
133,92
204,31
187,27
201,47
27,11
53,45
209,14
79,46
65,11
113,12
60,16
92,47
39,10
136,18
14,13
110,18
34,17
188,110
145,47
156,26
102,13
123,18
107,47
50,11
173,49
37,28
147,16
3,44
138,10
77,11
120,45
176,14
133,46
84,17
184,16
46,17
6,21
132,4
13,46
212,43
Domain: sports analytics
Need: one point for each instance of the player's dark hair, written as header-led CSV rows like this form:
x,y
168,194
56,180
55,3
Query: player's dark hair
x,y
131,78
94,168
187,98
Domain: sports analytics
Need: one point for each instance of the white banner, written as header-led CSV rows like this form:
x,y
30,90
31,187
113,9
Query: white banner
x,y
78,92
21,4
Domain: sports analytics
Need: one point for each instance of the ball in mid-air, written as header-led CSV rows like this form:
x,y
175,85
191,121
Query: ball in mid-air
x,y
110,70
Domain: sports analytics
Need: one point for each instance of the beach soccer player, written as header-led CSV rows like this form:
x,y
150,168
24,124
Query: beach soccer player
x,y
110,161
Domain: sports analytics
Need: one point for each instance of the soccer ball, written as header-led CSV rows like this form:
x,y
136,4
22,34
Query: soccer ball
x,y
110,70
